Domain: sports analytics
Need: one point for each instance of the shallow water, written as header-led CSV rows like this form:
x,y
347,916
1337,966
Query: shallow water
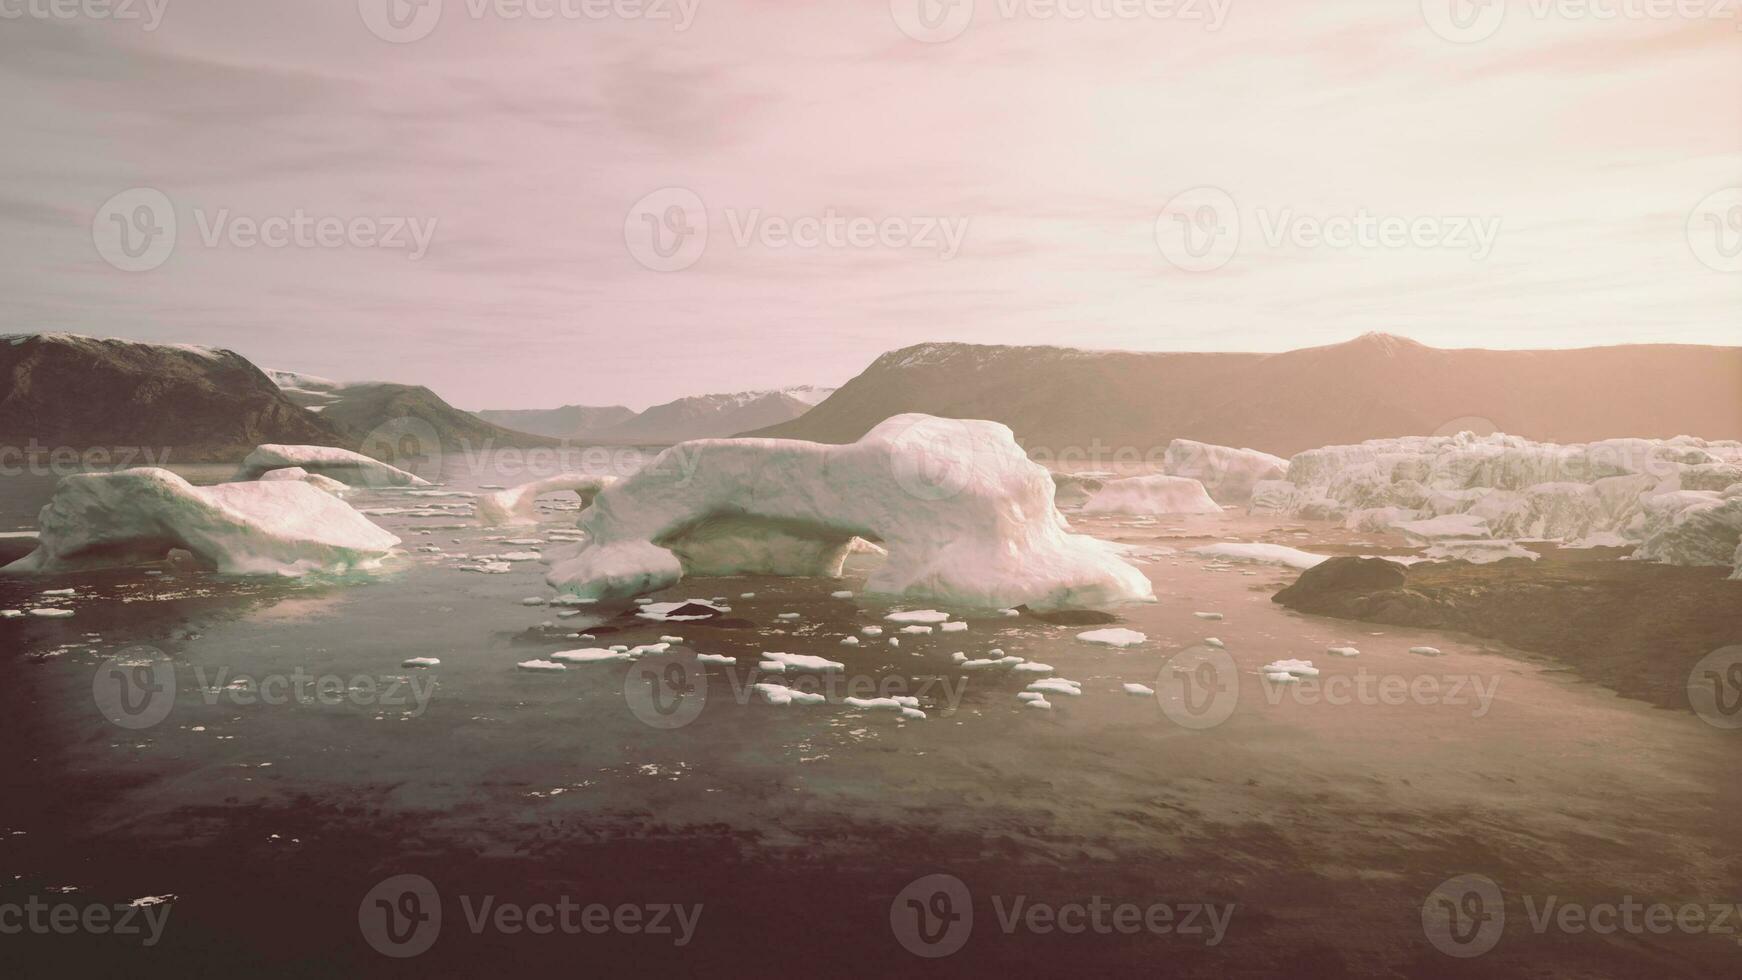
x,y
1325,825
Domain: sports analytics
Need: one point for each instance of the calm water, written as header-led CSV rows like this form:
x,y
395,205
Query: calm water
x,y
1323,826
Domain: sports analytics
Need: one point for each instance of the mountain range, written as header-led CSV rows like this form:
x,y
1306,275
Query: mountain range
x,y
694,417
1377,385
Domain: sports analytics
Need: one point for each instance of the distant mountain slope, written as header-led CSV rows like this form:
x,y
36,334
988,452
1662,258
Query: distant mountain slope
x,y
355,409
1374,386
707,416
203,404
567,422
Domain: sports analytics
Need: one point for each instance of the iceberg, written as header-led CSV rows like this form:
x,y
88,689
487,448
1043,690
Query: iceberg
x,y
1152,495
353,469
965,517
283,527
1227,474
518,505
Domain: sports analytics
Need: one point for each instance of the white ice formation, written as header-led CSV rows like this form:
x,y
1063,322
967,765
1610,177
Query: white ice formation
x,y
966,518
518,505
284,527
1154,494
354,469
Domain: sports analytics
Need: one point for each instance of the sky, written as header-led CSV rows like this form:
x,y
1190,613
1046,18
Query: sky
x,y
527,203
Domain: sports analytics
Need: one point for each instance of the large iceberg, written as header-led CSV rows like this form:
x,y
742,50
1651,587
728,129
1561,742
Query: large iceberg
x,y
965,516
343,465
284,527
1661,495
1152,495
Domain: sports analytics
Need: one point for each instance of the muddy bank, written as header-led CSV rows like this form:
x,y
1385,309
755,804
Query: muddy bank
x,y
1632,626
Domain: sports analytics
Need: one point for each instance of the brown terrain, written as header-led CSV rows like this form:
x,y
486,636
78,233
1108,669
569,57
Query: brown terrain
x,y
1371,387
1635,627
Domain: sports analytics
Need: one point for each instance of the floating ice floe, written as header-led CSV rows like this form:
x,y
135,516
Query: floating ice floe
x,y
1478,551
715,658
1275,554
1138,689
1152,495
916,630
1293,669
800,661
590,655
1208,615
139,515
520,504
690,610
353,469
872,631
1057,685
50,613
850,641
907,707
540,665
988,535
781,694
1031,667
420,662
918,616
1113,637
842,594
1211,641
1425,651
955,627
1343,651
786,615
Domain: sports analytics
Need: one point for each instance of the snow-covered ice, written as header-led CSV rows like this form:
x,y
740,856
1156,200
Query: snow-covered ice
x,y
1113,637
519,505
343,465
1154,494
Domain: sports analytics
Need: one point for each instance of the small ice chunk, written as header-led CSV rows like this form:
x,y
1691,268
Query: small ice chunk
x,y
1207,615
420,662
955,627
843,594
850,641
1281,677
1211,641
802,661
1057,685
918,616
715,658
746,595
52,613
545,665
1294,668
1117,637
59,592
894,641
1424,651
591,655
1031,696
786,615
1038,702
532,600
1009,612
671,639
1343,651
916,629
1031,667
872,631
1141,690
781,694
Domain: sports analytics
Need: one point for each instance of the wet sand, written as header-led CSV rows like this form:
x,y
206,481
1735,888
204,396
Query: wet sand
x,y
1325,825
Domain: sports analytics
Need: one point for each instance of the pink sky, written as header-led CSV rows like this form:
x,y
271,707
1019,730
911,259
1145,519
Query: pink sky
x,y
1055,143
